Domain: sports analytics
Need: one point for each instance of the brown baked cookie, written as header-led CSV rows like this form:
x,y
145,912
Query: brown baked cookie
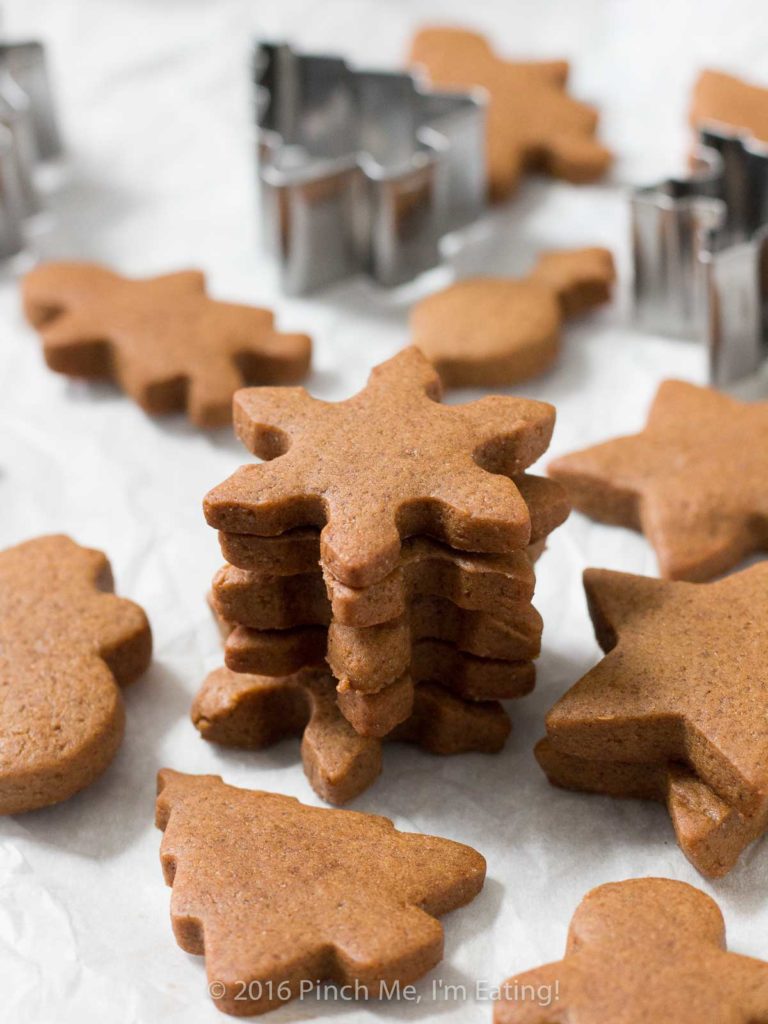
x,y
289,590
684,680
694,481
711,834
495,331
532,122
162,339
389,463
481,583
283,652
372,657
640,951
298,551
726,100
377,714
276,893
66,646
254,712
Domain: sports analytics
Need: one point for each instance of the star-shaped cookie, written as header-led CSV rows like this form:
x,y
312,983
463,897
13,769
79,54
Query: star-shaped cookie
x,y
237,709
684,680
532,122
711,834
640,951
163,339
389,463
67,644
496,331
694,481
276,893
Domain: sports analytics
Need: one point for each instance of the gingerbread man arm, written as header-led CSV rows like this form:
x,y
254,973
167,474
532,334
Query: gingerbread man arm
x,y
582,278
539,996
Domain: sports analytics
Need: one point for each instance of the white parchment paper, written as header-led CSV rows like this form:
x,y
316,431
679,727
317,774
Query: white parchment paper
x,y
154,100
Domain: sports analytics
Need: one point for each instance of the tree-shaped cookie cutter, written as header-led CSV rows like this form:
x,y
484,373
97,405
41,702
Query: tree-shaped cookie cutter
x,y
29,134
361,170
700,247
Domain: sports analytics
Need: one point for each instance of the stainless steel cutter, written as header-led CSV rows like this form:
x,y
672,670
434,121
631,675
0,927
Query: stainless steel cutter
x,y
700,247
28,134
361,170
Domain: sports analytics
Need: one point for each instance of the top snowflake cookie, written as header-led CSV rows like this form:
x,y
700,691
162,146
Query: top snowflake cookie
x,y
388,463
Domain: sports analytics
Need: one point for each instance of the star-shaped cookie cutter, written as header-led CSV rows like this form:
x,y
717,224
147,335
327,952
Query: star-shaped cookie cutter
x,y
361,170
700,247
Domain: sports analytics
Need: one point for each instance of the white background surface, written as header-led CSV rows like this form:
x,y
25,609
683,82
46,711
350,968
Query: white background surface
x,y
154,100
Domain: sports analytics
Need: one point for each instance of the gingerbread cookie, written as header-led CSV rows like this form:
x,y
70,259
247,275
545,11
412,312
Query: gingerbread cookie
x,y
684,680
694,481
275,893
711,834
494,331
482,583
532,122
722,99
647,949
298,551
281,653
163,339
254,712
373,657
66,646
389,463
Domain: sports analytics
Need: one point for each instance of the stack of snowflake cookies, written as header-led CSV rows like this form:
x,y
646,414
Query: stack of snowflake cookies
x,y
379,577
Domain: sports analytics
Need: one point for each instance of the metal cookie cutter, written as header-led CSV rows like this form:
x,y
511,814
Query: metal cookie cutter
x,y
28,134
361,170
700,247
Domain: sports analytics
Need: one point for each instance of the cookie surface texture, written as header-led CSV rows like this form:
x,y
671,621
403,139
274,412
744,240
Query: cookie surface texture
x,y
388,463
684,680
66,646
646,949
532,122
253,712
164,341
275,893
694,481
495,331
722,99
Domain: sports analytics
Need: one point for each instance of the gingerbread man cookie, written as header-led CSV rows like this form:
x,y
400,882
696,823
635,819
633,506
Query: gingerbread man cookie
x,y
694,481
390,462
532,122
163,339
241,710
67,644
275,893
647,949
494,331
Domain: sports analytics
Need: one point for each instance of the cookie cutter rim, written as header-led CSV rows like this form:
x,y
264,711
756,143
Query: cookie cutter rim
x,y
29,135
334,200
700,253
